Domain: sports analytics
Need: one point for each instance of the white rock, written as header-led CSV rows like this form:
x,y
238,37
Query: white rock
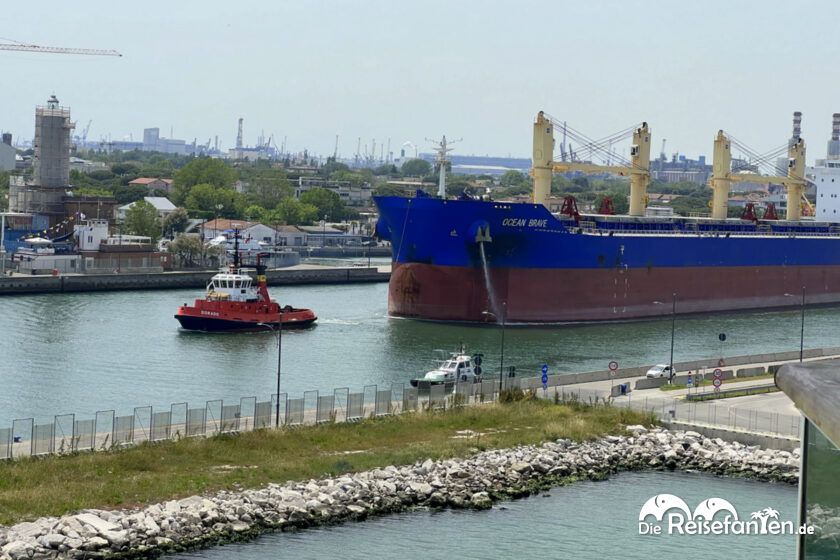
x,y
97,523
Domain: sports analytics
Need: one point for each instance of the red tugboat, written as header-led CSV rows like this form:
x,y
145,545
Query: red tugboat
x,y
233,303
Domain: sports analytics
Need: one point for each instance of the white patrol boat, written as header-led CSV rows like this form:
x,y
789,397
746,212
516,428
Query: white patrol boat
x,y
459,368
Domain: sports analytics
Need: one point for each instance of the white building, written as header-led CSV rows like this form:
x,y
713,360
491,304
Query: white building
x,y
350,194
163,206
282,236
91,233
826,179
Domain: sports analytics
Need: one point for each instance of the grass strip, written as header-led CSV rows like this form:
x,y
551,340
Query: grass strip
x,y
152,473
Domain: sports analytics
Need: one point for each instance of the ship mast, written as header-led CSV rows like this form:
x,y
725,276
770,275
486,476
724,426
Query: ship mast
x,y
442,148
637,168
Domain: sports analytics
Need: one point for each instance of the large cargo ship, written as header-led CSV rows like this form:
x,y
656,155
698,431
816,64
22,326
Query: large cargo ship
x,y
485,261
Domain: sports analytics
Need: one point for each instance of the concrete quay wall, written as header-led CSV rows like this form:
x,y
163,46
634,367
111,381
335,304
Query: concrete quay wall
x,y
174,280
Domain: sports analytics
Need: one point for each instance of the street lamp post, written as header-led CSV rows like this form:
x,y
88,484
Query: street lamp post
x,y
119,250
216,220
673,325
324,232
801,324
802,327
502,349
279,331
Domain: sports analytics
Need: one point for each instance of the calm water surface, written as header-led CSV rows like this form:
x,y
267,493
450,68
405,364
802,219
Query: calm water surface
x,y
584,521
81,353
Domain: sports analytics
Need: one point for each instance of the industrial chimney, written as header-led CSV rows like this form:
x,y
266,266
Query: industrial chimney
x,y
833,151
797,125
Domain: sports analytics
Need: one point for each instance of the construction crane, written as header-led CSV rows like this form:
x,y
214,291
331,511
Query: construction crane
x,y
85,132
11,45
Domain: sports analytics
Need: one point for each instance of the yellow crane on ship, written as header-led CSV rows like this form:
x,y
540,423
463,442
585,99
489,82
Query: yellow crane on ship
x,y
637,168
723,177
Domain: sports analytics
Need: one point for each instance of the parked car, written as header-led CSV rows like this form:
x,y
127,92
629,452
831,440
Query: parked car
x,y
659,370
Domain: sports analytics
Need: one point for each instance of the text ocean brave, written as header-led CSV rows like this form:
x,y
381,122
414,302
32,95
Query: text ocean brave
x,y
522,222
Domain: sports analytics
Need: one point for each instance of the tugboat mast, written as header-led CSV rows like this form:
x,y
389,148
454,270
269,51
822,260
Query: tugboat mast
x,y
236,249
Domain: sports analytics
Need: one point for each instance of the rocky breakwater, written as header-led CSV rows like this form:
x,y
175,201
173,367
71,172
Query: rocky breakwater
x,y
474,482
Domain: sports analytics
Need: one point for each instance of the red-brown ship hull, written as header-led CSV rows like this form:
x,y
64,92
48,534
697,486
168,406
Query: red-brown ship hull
x,y
536,295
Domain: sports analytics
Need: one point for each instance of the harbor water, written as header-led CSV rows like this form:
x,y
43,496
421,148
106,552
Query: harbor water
x,y
585,521
79,353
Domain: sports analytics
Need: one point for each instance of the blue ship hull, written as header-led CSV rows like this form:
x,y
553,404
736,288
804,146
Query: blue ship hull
x,y
540,268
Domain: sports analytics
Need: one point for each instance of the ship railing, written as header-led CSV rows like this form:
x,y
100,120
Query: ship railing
x,y
831,233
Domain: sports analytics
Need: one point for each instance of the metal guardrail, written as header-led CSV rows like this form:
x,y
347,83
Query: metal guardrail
x,y
744,391
717,415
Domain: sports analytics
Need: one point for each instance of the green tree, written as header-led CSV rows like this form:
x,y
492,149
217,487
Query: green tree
x,y
101,175
416,168
201,171
212,200
176,222
268,191
385,189
513,178
327,202
256,213
331,167
620,203
125,168
458,186
125,194
142,219
187,250
386,169
292,212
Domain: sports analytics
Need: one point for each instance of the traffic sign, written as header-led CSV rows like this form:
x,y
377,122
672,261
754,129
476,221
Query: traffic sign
x,y
545,369
718,373
613,365
717,389
689,383
717,382
545,380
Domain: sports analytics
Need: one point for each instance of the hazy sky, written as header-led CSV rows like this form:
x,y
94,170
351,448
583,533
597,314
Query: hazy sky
x,y
414,69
